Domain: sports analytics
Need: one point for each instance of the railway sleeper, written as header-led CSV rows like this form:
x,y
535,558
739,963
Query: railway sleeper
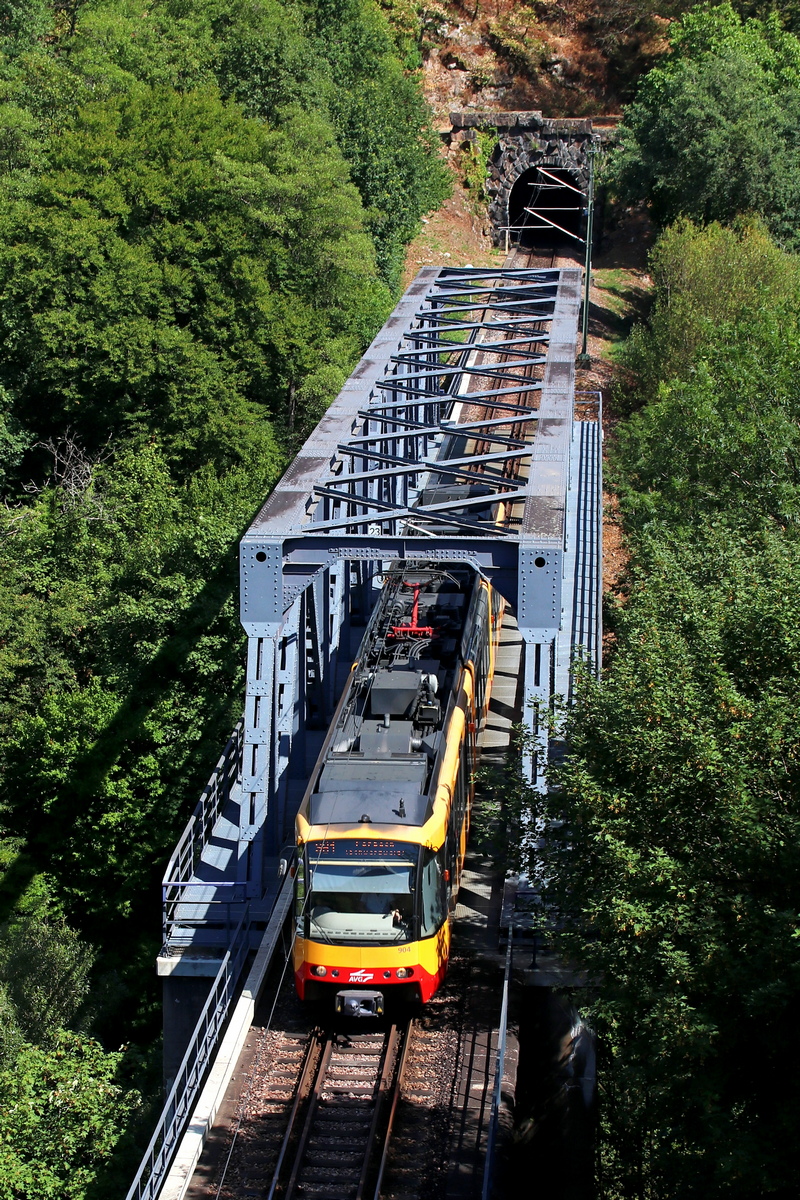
x,y
335,1131
321,1172
348,1080
337,1145
347,1188
342,1131
324,1191
332,1130
351,1067
355,1114
334,1154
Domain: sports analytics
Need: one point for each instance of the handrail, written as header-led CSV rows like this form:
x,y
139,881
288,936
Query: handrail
x,y
598,516
195,837
181,912
183,1093
500,1063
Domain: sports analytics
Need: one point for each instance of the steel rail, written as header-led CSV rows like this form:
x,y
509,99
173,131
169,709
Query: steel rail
x,y
389,1084
401,1066
313,1083
304,1085
305,1133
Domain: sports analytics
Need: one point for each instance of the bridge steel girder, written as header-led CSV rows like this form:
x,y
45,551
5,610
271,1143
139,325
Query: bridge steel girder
x,y
356,492
408,463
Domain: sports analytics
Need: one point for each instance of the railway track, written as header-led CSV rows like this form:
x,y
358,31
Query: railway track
x,y
406,1158
336,1143
542,258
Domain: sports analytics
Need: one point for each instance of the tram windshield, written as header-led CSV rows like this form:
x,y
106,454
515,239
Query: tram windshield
x,y
361,902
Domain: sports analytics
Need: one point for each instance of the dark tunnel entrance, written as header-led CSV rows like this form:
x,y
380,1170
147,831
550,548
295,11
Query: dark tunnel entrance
x,y
558,203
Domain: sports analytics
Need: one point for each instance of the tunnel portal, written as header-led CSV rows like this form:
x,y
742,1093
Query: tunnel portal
x,y
536,163
546,207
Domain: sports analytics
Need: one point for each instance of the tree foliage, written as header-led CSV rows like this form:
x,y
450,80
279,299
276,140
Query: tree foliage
x,y
203,209
62,1112
689,305
678,861
185,285
44,967
712,132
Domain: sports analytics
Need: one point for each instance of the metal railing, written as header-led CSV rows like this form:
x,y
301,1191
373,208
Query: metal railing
x,y
183,914
499,1070
199,1055
588,607
188,852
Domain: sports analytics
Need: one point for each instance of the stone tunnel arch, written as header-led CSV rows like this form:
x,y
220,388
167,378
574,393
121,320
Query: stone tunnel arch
x,y
526,140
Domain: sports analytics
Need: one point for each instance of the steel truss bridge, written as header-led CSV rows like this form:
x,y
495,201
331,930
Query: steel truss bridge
x,y
458,438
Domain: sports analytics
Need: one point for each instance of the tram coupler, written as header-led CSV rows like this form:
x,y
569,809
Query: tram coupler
x,y
359,1004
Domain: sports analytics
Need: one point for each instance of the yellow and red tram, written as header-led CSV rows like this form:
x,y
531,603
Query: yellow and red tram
x,y
383,825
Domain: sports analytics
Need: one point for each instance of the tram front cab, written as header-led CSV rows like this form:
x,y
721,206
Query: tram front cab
x,y
371,922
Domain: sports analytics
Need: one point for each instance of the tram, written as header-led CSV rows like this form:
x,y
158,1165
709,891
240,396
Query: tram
x,y
383,825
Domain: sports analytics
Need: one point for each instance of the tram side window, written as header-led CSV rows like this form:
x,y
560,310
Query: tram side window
x,y
480,648
458,814
434,892
300,893
485,655
460,792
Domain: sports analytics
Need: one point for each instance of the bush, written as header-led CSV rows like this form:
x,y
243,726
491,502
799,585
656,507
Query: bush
x,y
511,38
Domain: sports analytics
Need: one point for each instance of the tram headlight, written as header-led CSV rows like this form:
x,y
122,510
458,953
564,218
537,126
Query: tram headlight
x,y
320,971
403,972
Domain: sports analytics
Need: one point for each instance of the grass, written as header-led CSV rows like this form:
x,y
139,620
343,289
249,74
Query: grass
x,y
619,296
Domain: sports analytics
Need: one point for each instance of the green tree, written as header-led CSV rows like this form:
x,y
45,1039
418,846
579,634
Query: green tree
x,y
713,130
62,1112
333,57
674,829
681,871
382,124
199,214
22,22
44,967
121,670
150,295
689,305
